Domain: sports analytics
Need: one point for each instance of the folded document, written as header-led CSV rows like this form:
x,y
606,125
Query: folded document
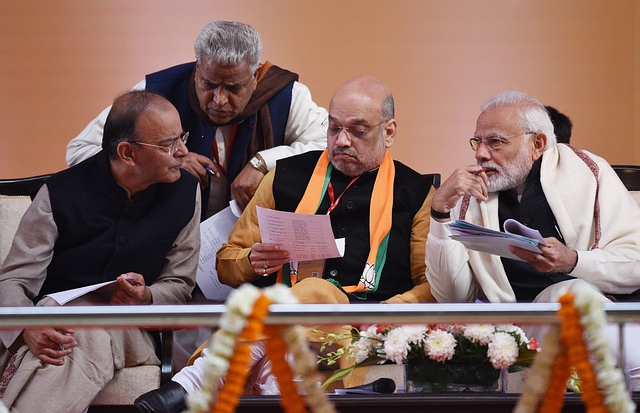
x,y
494,242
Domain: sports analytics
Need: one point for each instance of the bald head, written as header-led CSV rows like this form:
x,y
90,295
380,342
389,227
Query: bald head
x,y
361,125
369,88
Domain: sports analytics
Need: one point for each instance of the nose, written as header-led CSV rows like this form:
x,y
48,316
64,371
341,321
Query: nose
x,y
220,96
343,141
181,150
482,152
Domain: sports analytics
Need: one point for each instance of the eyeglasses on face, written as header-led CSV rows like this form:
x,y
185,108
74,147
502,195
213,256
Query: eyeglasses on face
x,y
494,142
333,129
172,147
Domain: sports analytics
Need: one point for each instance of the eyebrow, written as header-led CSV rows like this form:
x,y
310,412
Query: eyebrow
x,y
352,122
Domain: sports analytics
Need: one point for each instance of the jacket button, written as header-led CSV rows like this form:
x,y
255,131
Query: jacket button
x,y
123,240
333,273
349,204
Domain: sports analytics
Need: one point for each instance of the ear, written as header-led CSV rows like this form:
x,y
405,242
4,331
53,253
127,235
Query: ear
x,y
389,132
126,153
255,76
538,144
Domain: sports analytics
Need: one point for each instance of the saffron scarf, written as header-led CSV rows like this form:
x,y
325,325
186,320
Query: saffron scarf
x,y
380,217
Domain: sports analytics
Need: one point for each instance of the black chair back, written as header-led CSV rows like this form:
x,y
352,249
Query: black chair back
x,y
629,175
434,178
21,186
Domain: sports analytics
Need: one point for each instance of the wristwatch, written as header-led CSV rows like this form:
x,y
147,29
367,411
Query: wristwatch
x,y
259,164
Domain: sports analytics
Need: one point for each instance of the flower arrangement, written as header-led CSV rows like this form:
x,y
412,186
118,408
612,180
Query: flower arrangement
x,y
501,345
229,357
602,384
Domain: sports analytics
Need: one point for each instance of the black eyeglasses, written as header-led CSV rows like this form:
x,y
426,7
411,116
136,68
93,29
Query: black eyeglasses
x,y
494,142
172,147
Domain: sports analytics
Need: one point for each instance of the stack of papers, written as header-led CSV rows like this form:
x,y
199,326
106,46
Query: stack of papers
x,y
483,239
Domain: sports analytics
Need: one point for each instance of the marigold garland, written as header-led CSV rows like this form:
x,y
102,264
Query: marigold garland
x,y
230,353
239,364
553,398
582,318
276,352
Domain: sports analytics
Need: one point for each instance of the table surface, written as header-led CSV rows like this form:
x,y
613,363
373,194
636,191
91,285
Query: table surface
x,y
408,402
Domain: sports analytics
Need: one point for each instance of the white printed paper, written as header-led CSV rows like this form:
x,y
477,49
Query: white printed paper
x,y
214,232
106,289
306,237
482,239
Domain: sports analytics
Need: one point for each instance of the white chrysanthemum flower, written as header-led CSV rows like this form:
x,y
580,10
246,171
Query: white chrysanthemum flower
x,y
503,350
479,333
363,348
517,332
440,345
415,333
396,346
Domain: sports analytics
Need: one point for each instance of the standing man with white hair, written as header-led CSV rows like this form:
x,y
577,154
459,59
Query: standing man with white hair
x,y
590,223
242,115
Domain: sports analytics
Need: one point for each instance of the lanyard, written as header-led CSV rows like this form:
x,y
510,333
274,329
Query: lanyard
x,y
216,156
334,202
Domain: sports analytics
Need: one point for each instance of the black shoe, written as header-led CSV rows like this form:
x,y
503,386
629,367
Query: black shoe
x,y
169,398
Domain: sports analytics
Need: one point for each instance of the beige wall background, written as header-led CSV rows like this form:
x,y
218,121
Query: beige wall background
x,y
62,62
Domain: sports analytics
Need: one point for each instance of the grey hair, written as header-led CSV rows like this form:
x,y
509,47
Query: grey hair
x,y
533,115
229,44
387,110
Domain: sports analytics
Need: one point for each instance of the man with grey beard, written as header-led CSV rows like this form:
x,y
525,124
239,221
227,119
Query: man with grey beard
x,y
590,223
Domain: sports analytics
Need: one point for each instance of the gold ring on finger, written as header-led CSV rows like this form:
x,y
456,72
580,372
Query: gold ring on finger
x,y
264,264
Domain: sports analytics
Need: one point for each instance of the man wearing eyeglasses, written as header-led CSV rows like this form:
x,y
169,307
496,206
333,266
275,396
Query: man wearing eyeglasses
x,y
242,115
129,214
378,205
589,221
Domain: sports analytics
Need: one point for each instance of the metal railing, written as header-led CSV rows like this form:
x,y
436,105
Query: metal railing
x,y
178,316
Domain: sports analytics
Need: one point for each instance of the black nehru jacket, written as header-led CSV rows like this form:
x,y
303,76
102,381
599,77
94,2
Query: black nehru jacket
x,y
350,219
102,235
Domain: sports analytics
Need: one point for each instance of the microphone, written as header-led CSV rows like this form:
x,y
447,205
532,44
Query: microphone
x,y
382,385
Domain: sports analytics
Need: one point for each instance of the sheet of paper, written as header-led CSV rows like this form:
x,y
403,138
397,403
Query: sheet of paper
x,y
494,245
511,226
106,289
482,239
306,237
214,232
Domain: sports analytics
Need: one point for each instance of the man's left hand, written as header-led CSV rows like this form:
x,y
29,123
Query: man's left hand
x,y
131,290
555,257
245,185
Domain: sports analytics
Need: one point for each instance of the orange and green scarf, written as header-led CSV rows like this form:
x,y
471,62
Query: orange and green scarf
x,y
379,218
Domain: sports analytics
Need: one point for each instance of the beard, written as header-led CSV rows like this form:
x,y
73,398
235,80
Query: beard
x,y
512,174
359,162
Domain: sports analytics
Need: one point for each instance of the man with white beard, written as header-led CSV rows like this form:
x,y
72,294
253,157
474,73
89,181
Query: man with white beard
x,y
590,223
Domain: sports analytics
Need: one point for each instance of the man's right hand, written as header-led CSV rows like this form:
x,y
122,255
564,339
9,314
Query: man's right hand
x,y
267,258
48,344
196,164
465,180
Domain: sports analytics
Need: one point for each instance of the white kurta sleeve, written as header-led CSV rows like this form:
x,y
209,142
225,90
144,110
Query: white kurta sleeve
x,y
303,132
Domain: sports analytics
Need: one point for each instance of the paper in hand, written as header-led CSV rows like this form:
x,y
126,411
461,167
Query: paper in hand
x,y
482,239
